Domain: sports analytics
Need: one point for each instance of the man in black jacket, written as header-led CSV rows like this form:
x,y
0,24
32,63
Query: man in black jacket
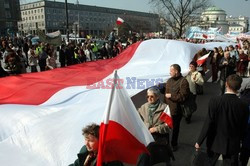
x,y
225,125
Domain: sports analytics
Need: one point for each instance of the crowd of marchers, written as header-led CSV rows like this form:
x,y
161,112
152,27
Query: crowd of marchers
x,y
227,125
226,128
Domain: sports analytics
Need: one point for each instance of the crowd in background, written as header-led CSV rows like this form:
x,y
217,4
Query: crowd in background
x,y
19,55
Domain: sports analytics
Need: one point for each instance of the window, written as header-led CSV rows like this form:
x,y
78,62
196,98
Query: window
x,y
9,24
8,14
6,4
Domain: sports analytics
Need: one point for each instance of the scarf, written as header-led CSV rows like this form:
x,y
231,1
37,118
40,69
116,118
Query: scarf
x,y
90,159
151,110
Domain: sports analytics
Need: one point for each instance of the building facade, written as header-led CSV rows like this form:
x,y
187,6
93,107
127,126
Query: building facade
x,y
238,24
9,16
85,20
215,17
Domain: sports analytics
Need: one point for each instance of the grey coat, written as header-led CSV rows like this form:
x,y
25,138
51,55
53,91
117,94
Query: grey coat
x,y
161,127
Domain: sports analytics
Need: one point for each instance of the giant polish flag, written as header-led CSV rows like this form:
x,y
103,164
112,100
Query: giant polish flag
x,y
122,131
42,114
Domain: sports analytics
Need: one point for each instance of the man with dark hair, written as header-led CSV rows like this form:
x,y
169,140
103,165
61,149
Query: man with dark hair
x,y
176,91
225,125
88,153
234,82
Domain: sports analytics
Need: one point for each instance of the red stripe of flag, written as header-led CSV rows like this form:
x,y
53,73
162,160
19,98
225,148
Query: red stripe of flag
x,y
118,144
36,88
204,36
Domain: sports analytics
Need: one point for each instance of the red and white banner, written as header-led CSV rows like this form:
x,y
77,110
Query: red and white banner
x,y
166,117
42,114
122,130
119,21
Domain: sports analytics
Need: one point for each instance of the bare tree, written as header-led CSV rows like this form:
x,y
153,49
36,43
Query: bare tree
x,y
179,14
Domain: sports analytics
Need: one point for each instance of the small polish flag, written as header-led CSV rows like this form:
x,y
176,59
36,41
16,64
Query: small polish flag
x,y
202,59
240,44
119,21
166,117
123,135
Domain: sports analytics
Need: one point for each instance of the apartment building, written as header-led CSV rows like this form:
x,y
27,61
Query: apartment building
x,y
84,20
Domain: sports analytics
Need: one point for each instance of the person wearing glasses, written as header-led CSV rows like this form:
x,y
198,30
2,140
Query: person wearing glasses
x,y
150,113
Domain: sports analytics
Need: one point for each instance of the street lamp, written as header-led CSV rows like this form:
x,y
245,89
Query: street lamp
x,y
78,30
67,19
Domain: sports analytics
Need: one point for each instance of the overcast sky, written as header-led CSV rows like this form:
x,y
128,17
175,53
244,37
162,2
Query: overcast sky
x,y
232,7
